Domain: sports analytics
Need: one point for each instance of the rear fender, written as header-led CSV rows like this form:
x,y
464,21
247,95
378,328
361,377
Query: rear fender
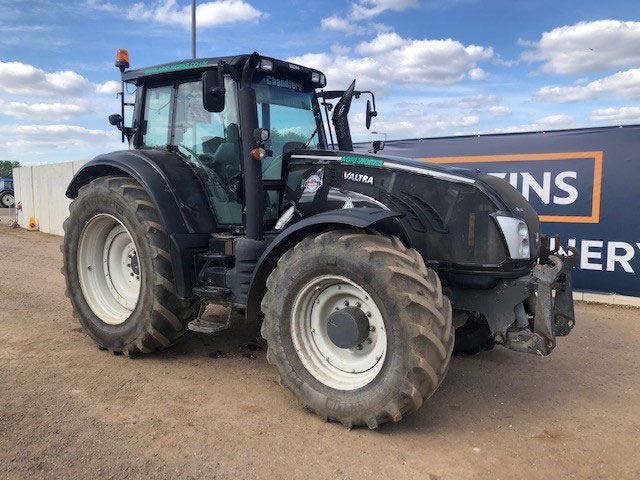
x,y
177,194
383,221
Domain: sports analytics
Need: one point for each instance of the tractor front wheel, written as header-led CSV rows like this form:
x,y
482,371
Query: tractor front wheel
x,y
7,200
357,327
118,270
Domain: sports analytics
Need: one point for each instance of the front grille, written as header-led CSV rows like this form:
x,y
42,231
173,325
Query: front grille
x,y
422,216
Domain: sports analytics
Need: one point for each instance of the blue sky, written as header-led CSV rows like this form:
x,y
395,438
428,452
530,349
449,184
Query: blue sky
x,y
438,67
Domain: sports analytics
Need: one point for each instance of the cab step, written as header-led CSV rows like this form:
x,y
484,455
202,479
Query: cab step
x,y
204,326
216,259
212,293
207,325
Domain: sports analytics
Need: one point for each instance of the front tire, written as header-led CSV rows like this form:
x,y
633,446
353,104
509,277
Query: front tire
x,y
403,359
118,271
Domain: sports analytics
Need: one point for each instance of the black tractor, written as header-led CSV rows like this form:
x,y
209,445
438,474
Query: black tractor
x,y
241,188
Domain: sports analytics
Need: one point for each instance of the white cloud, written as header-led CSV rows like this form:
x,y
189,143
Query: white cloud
x,y
338,49
22,138
408,122
616,115
371,8
110,87
552,122
393,59
23,79
477,103
208,14
499,110
341,70
625,84
102,6
382,43
350,27
24,28
477,74
48,111
498,60
336,23
474,102
586,47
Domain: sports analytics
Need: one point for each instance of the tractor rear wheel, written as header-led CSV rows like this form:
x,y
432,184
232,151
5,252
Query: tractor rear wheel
x,y
118,270
357,327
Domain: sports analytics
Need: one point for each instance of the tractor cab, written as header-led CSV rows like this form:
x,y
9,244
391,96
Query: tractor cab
x,y
195,108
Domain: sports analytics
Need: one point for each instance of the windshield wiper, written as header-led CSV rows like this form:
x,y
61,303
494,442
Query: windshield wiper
x,y
306,144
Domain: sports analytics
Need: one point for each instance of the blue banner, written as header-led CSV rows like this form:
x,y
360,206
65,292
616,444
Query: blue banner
x,y
583,183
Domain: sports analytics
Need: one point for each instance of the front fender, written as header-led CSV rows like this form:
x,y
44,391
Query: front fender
x,y
384,220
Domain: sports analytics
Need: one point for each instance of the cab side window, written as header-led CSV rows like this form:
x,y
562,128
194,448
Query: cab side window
x,y
157,106
211,144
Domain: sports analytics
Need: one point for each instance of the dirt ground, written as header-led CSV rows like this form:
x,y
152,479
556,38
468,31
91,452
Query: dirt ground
x,y
211,408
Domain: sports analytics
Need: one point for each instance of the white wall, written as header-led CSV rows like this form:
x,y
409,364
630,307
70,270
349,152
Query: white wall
x,y
41,191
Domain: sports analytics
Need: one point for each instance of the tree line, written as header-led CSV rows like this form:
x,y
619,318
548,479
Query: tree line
x,y
6,168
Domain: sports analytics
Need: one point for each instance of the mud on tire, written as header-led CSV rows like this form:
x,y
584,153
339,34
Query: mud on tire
x,y
417,320
159,317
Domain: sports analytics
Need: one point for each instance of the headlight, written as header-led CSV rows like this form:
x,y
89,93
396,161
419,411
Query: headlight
x,y
516,233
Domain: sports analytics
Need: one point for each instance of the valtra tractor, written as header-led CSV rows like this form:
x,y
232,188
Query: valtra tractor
x,y
241,187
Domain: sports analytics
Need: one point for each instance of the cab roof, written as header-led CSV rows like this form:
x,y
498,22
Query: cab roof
x,y
190,67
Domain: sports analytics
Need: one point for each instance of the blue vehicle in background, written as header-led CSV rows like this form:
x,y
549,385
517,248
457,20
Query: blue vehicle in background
x,y
7,197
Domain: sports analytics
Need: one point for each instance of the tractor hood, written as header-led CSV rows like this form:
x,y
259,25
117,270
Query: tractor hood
x,y
462,219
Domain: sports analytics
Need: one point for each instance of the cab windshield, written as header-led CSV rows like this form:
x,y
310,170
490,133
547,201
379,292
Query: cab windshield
x,y
291,115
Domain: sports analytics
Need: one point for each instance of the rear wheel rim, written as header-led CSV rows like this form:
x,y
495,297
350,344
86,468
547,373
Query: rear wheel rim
x,y
109,269
338,368
7,200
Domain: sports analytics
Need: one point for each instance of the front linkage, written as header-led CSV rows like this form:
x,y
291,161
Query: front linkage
x,y
518,318
553,316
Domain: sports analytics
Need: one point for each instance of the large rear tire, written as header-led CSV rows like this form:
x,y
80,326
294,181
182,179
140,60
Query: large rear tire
x,y
118,270
409,335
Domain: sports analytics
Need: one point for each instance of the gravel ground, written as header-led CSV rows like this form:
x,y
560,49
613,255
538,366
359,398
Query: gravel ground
x,y
211,407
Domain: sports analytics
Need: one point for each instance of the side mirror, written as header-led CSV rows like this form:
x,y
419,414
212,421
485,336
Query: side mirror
x,y
212,91
377,146
370,114
115,120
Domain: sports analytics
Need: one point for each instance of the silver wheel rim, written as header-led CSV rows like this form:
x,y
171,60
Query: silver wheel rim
x,y
109,269
339,368
8,200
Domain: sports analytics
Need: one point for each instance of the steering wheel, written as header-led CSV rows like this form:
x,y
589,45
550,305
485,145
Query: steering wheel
x,y
211,177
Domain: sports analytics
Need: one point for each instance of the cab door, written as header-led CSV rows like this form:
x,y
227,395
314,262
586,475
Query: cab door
x,y
211,144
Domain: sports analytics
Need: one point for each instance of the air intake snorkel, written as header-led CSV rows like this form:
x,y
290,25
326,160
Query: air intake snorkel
x,y
340,120
252,168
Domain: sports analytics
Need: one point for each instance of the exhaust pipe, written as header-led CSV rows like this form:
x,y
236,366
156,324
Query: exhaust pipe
x,y
252,168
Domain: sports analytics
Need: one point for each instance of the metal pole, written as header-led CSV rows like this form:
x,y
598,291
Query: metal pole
x,y
193,28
